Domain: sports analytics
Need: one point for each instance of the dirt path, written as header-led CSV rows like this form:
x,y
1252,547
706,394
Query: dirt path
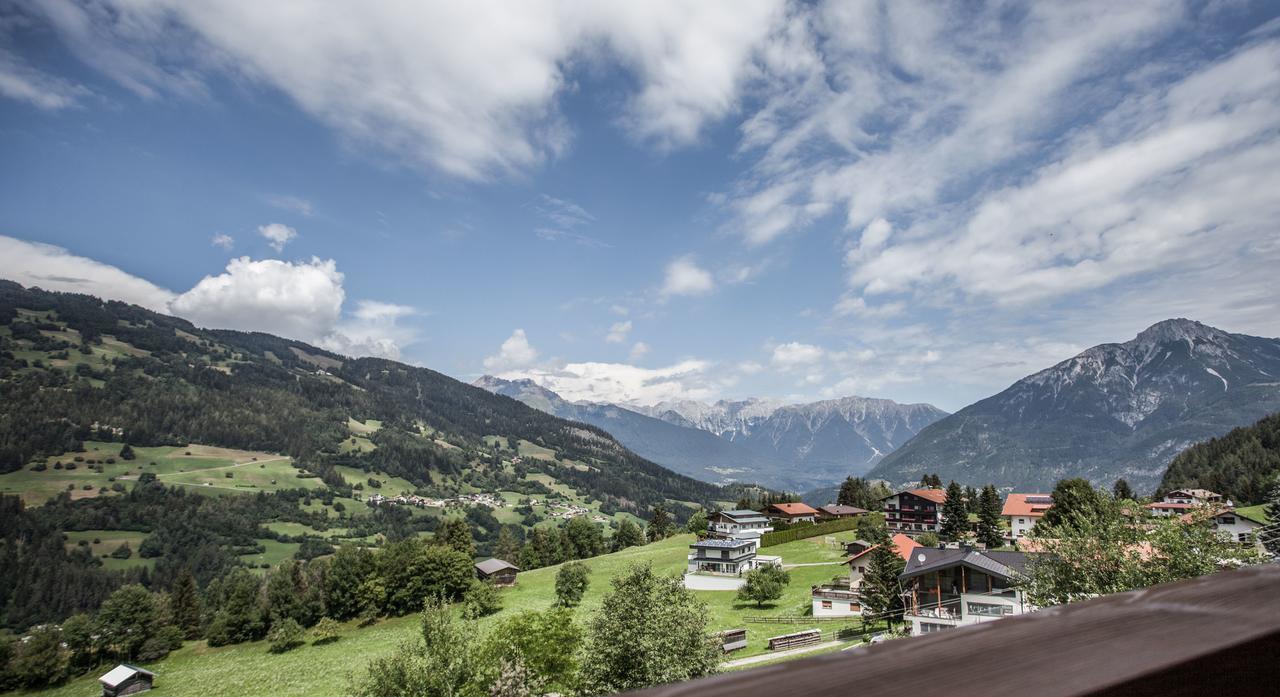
x,y
221,467
772,656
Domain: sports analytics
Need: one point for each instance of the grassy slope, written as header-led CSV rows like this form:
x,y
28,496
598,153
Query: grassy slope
x,y
248,669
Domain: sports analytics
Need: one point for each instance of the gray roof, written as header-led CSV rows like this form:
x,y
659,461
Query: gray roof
x,y
488,567
1007,565
723,544
740,514
122,672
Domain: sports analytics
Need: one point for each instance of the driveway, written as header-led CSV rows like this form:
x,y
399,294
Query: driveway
x,y
699,582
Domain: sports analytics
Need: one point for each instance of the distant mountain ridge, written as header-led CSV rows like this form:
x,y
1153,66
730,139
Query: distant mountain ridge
x,y
794,447
1114,410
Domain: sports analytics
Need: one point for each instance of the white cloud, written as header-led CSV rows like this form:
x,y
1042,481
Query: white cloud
x,y
639,350
468,89
22,82
618,332
624,384
288,202
795,354
685,277
277,235
515,353
302,300
223,240
55,268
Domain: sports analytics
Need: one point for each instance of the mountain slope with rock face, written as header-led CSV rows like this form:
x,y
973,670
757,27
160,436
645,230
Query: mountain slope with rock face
x,y
1115,410
793,447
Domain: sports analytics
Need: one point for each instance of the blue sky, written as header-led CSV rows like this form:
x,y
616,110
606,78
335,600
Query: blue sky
x,y
647,201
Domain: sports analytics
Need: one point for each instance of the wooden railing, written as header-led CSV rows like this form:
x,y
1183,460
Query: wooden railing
x,y
1212,635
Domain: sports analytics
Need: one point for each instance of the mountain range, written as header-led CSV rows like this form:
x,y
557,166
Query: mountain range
x,y
1114,410
784,446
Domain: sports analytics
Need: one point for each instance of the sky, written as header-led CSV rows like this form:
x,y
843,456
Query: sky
x,y
637,202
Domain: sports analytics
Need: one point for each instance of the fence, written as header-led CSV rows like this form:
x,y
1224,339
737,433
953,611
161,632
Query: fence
x,y
778,537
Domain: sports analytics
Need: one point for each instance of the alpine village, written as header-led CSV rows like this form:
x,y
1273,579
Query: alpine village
x,y
598,351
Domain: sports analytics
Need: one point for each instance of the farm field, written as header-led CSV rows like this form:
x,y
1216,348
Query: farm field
x,y
237,671
103,542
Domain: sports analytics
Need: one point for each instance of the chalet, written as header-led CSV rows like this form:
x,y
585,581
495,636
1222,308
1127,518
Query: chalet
x,y
946,588
792,512
1196,496
125,679
914,511
497,571
727,557
1170,508
902,545
833,511
1023,511
738,525
845,598
1237,524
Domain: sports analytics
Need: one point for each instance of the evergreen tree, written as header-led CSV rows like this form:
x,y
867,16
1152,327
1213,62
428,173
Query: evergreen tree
x,y
628,535
456,533
659,525
989,532
507,548
126,452
971,500
184,604
856,491
1122,491
880,589
1269,535
955,515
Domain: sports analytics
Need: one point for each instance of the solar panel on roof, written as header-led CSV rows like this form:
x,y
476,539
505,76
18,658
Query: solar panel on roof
x,y
1039,499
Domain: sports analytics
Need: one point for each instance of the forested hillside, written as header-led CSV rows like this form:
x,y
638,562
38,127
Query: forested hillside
x,y
1242,465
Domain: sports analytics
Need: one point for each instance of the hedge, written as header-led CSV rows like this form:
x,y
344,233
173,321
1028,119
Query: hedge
x,y
770,539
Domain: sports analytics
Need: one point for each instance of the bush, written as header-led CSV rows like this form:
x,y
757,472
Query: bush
x,y
770,539
325,631
122,552
480,600
571,583
153,649
39,467
285,635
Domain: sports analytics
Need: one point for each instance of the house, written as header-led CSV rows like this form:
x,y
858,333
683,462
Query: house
x,y
856,547
843,598
1196,496
1170,508
1237,524
857,562
914,511
499,572
1023,511
125,679
833,511
791,512
738,525
945,588
727,557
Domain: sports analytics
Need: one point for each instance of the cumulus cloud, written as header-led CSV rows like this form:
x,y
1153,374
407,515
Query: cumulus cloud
x,y
470,89
55,268
624,384
223,240
685,277
293,299
796,355
277,235
516,352
618,332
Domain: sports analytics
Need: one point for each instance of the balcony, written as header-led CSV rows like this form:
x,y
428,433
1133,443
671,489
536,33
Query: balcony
x,y
827,593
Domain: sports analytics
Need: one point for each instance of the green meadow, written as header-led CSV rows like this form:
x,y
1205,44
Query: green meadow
x,y
197,670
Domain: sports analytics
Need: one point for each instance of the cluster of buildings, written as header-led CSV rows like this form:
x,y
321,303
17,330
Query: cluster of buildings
x,y
485,499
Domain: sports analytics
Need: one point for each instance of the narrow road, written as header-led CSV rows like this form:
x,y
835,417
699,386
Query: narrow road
x,y
749,660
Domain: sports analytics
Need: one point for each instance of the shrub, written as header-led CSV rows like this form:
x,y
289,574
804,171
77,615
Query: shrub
x,y
39,467
770,539
285,635
325,631
571,582
480,600
122,552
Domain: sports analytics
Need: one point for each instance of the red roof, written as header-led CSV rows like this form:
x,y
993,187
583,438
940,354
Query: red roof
x,y
794,508
934,495
1016,504
902,544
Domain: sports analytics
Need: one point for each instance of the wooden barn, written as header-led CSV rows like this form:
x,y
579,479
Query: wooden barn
x,y
125,679
497,571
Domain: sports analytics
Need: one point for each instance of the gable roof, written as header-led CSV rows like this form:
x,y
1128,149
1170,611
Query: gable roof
x,y
794,508
902,544
1007,565
1197,493
122,672
1031,505
934,495
489,567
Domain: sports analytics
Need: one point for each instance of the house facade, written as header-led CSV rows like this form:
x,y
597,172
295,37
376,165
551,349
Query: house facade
x,y
1237,525
792,512
945,588
1193,496
1023,511
497,572
738,525
844,598
723,557
914,511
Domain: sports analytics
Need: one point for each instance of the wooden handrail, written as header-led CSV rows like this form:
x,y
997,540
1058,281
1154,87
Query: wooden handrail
x,y
1212,635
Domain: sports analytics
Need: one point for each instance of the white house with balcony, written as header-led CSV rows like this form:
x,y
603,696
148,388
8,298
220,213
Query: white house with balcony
x,y
945,588
738,525
727,557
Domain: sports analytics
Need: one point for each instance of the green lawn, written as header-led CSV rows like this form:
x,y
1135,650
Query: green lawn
x,y
248,669
275,552
107,542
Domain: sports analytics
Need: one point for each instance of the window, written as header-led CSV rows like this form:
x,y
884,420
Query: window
x,y
826,605
1227,520
1245,537
1022,521
931,627
989,610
